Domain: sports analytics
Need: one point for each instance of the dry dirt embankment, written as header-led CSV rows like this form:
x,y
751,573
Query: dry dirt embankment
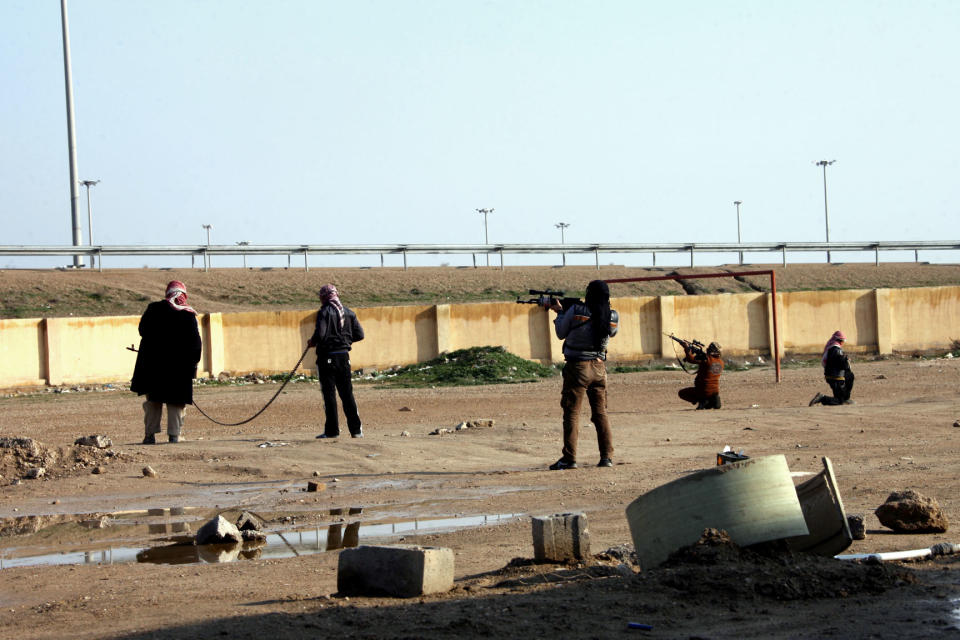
x,y
56,293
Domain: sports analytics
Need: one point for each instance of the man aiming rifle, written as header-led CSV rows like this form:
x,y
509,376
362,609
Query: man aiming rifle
x,y
705,392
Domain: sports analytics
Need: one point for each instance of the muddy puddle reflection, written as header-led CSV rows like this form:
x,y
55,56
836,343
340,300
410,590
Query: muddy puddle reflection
x,y
176,530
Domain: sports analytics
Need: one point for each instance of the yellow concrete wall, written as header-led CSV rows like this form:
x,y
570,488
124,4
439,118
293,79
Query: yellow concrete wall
x,y
77,350
924,318
809,318
23,352
91,349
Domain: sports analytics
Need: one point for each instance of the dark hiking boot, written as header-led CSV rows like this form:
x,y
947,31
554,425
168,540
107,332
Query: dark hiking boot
x,y
324,436
816,399
358,434
149,439
605,462
561,464
175,439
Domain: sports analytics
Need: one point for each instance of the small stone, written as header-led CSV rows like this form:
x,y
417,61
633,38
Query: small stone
x,y
34,473
98,470
857,528
217,531
249,522
405,409
316,486
316,474
100,442
956,423
910,511
404,434
251,535
149,472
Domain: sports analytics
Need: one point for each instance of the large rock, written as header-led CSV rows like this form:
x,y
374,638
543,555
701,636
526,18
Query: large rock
x,y
218,531
909,511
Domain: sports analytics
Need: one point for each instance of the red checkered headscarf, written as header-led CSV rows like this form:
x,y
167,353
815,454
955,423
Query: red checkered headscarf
x,y
835,340
329,294
177,296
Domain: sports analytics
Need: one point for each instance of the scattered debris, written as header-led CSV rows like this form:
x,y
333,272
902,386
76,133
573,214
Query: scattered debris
x,y
823,512
939,549
100,442
149,472
729,455
468,424
264,445
909,511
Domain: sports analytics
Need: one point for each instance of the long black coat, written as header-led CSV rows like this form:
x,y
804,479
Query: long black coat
x,y
169,352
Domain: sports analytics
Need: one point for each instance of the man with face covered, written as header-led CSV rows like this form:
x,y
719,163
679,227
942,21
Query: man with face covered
x,y
585,328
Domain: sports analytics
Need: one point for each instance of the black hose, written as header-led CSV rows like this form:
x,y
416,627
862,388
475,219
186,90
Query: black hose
x,y
237,424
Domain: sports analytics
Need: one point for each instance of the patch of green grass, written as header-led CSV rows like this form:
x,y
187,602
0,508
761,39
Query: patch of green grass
x,y
466,367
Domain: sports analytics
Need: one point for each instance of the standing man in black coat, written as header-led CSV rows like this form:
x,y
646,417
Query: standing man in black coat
x,y
337,328
167,361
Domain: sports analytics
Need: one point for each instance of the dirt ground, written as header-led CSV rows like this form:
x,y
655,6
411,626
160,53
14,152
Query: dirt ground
x,y
900,434
83,292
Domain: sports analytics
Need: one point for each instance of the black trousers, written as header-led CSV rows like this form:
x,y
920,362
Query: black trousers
x,y
841,390
333,370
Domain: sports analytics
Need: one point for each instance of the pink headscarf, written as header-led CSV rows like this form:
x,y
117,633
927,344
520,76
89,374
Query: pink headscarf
x,y
177,296
834,341
329,293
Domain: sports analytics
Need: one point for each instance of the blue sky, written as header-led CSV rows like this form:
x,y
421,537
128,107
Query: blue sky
x,y
370,122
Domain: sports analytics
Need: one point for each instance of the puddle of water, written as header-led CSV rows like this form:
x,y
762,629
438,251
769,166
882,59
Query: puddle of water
x,y
281,544
956,612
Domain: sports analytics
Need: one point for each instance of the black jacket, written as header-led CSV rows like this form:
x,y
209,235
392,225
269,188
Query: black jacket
x,y
837,363
329,337
169,352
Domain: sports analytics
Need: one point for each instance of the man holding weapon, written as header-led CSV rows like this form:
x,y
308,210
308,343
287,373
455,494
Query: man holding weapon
x,y
705,392
585,328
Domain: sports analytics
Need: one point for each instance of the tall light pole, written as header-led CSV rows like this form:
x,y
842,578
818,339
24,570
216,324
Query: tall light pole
x,y
738,203
206,256
826,216
486,238
71,135
88,184
562,226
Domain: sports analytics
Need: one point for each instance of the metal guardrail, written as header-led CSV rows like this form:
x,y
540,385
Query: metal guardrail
x,y
482,249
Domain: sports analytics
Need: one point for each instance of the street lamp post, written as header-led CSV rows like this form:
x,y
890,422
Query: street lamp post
x,y
206,256
88,184
562,226
71,134
738,203
826,216
243,243
486,238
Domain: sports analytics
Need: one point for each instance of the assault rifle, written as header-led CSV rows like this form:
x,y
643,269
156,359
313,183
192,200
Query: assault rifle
x,y
694,345
545,298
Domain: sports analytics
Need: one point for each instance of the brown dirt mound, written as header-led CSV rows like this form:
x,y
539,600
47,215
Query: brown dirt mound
x,y
19,455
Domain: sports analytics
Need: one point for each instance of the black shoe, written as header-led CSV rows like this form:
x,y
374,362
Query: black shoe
x,y
175,439
358,434
324,436
561,464
149,439
816,399
605,462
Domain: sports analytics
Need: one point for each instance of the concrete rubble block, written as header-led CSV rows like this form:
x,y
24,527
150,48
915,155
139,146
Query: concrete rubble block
x,y
858,528
34,473
563,537
249,522
753,501
403,571
100,442
909,511
27,446
149,472
218,531
316,486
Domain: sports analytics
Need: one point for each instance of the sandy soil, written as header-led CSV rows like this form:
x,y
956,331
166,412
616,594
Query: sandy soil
x,y
900,434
